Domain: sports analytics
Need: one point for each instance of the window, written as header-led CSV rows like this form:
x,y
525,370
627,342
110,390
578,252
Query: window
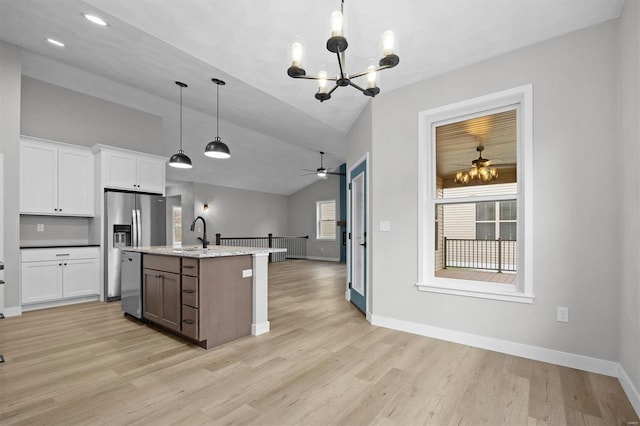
x,y
496,218
326,220
176,225
485,224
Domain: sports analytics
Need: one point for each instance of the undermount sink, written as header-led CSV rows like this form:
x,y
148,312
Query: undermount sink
x,y
180,250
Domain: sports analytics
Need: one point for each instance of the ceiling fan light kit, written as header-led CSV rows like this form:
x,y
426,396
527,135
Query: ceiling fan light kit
x,y
180,160
216,148
480,170
337,44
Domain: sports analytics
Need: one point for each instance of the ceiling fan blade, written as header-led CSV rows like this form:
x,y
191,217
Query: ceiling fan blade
x,y
308,170
336,173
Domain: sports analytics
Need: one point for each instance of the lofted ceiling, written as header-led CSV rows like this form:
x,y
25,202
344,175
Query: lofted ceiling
x,y
149,44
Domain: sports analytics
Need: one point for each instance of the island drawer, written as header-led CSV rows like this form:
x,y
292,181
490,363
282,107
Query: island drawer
x,y
190,267
190,322
190,291
161,263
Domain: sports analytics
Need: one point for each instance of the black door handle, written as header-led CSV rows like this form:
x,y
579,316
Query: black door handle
x,y
364,245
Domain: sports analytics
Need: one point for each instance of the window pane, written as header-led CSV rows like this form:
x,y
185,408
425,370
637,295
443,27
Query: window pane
x,y
326,219
485,231
508,231
486,211
508,210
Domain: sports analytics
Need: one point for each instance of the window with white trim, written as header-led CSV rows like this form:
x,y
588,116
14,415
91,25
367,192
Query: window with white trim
x,y
475,184
326,220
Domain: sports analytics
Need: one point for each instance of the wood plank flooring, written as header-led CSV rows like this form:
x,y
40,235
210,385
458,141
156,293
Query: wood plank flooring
x,y
321,364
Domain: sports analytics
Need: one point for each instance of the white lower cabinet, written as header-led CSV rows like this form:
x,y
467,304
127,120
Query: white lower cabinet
x,y
59,274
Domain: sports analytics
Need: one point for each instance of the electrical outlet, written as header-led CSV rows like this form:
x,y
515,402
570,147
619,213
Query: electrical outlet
x,y
563,314
385,226
246,273
40,227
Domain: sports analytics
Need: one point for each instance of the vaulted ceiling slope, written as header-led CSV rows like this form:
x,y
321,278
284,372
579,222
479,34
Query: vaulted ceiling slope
x,y
151,43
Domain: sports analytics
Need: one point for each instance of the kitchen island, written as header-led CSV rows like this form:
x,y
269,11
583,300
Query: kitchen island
x,y
210,296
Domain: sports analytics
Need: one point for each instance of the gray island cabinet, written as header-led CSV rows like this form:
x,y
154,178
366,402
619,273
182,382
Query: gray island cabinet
x,y
207,296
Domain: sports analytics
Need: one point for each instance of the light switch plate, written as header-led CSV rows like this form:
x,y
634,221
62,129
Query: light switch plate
x,y
385,226
40,227
562,314
247,273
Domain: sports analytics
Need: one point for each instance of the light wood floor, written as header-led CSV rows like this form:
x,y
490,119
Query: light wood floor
x,y
321,364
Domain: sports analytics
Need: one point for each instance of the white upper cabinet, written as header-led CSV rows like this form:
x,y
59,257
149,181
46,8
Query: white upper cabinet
x,y
132,171
55,179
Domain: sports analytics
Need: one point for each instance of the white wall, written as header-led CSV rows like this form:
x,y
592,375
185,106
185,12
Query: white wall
x,y
302,217
576,256
10,70
630,153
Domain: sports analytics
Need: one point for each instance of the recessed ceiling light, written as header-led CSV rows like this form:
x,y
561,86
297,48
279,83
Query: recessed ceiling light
x,y
55,42
95,20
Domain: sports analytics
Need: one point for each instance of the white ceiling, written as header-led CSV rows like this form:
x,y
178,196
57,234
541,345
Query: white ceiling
x,y
151,43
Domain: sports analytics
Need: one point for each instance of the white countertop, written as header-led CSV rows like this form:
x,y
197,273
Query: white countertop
x,y
199,252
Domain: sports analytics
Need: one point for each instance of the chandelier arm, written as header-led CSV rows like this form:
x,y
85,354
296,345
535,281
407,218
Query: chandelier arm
x,y
340,64
376,69
352,84
315,77
333,89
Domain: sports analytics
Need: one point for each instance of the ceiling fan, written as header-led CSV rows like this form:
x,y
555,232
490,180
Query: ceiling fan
x,y
321,171
481,170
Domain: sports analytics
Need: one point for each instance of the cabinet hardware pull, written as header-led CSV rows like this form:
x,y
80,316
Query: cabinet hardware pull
x,y
188,267
62,254
187,291
187,321
59,264
65,264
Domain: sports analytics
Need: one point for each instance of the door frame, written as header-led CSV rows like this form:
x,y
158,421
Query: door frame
x,y
367,283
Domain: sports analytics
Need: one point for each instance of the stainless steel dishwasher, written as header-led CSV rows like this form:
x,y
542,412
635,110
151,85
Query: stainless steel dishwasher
x,y
131,283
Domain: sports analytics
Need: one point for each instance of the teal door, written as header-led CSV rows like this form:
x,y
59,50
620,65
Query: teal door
x,y
358,236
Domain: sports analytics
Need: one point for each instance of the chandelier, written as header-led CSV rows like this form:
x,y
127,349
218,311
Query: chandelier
x,y
337,44
480,170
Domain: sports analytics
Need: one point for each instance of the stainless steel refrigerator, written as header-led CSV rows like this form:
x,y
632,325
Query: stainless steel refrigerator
x,y
131,220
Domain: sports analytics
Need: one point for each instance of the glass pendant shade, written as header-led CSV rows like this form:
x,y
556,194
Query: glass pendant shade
x,y
217,149
180,160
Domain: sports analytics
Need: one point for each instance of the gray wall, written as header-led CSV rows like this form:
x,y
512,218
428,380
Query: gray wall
x,y
70,230
240,213
10,70
575,248
53,112
630,152
302,214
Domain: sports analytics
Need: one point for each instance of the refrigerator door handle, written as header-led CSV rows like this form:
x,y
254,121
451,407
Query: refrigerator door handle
x,y
134,228
139,227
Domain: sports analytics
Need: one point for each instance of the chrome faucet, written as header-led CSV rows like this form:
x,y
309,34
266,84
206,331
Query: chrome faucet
x,y
204,229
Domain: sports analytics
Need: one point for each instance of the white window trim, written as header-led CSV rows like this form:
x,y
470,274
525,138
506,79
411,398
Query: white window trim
x,y
522,98
318,204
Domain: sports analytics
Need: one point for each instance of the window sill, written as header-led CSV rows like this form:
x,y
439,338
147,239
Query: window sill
x,y
506,296
326,239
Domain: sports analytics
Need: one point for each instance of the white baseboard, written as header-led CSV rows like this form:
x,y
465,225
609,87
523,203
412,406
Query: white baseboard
x,y
347,295
260,328
630,390
326,259
56,303
594,365
12,311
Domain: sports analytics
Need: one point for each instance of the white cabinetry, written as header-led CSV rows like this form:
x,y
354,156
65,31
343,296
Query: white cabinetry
x,y
59,275
132,171
55,179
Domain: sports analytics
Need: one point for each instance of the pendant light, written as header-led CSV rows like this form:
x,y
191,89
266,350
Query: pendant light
x,y
216,148
180,160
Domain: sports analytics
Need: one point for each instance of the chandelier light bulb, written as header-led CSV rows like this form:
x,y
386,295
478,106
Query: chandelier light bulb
x,y
388,42
296,54
372,77
322,82
337,21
